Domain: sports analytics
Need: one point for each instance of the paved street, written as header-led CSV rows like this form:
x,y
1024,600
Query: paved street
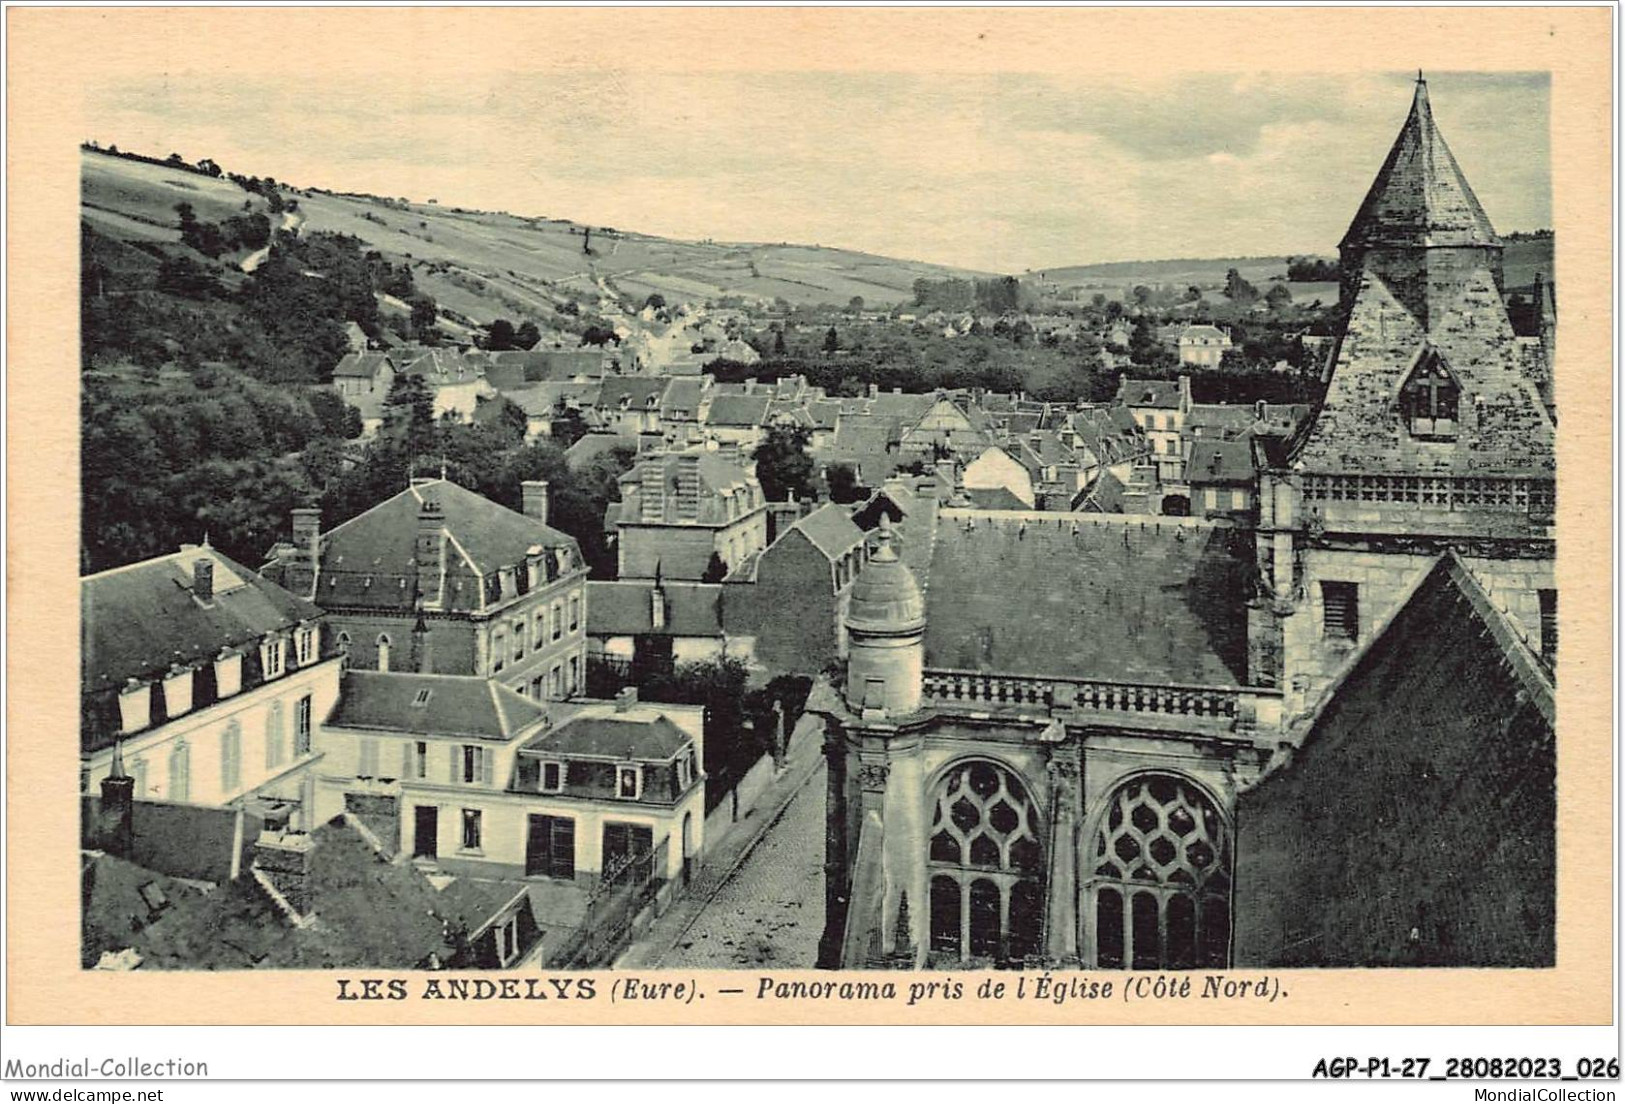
x,y
771,912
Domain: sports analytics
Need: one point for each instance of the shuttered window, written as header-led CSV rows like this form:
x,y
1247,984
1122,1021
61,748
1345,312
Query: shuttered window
x,y
301,726
231,757
1340,604
369,758
472,765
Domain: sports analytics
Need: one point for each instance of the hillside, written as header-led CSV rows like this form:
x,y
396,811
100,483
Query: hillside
x,y
485,265
1115,278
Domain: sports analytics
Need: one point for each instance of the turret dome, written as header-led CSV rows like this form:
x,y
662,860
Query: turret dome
x,y
886,597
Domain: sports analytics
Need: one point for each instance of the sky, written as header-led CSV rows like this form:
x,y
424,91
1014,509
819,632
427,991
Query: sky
x,y
998,173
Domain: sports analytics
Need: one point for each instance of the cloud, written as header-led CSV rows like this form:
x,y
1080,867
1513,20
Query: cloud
x,y
999,172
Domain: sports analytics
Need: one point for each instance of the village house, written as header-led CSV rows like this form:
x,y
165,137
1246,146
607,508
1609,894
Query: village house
x,y
653,624
680,510
1202,345
784,607
629,405
484,783
440,580
996,469
202,685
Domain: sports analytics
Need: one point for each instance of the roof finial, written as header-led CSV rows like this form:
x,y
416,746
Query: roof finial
x,y
1420,79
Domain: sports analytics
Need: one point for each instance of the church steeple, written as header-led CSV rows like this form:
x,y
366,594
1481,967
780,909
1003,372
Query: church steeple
x,y
1419,214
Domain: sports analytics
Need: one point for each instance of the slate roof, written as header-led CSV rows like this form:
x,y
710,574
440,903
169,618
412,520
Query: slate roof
x,y
831,530
640,732
359,365
370,913
137,620
455,705
380,545
738,410
1439,848
1420,197
1105,495
589,446
1218,461
682,399
624,608
1503,428
1161,394
636,391
1084,596
993,498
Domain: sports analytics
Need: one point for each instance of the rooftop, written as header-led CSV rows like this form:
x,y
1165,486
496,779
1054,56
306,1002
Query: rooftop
x,y
172,625
1088,596
641,732
433,705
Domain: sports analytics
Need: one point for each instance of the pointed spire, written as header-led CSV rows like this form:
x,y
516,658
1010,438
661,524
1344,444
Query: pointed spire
x,y
1420,197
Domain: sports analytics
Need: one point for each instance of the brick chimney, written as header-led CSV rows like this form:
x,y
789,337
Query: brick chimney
x,y
307,539
533,499
430,552
203,580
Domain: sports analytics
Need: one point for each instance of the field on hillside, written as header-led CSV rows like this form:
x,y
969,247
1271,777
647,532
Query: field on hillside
x,y
132,199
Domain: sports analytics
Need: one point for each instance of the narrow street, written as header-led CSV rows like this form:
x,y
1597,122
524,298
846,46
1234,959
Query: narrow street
x,y
771,912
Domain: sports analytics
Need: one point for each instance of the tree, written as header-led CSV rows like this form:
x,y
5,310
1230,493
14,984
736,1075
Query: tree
x,y
527,335
1237,289
778,342
409,417
782,463
832,341
568,425
715,569
842,480
1278,297
599,335
424,313
337,417
855,304
499,335
656,301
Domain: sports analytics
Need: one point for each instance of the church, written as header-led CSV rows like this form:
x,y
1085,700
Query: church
x,y
1120,742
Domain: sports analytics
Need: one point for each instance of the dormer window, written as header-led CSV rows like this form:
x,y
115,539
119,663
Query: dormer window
x,y
305,644
629,782
1430,398
552,777
178,691
135,706
272,657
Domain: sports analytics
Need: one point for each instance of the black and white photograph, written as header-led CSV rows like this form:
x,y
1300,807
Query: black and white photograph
x,y
1020,582
813,517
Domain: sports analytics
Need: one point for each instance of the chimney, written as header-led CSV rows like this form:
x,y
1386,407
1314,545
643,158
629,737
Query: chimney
x,y
626,699
307,541
430,552
117,818
203,580
422,646
533,499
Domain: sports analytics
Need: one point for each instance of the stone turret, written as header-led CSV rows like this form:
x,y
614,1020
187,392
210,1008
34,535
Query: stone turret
x,y
1420,225
885,621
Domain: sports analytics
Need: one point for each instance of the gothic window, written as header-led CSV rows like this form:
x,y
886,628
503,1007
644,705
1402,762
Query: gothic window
x,y
1159,885
383,652
986,866
1430,398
